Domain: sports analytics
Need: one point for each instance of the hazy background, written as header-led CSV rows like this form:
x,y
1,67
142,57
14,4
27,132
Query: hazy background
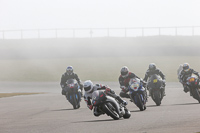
x,y
96,58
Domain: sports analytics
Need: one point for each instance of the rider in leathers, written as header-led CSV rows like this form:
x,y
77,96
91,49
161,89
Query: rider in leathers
x,y
89,88
69,74
124,79
153,70
185,73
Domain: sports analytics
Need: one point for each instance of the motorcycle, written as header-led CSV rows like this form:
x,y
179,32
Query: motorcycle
x,y
73,93
109,105
192,83
155,90
137,93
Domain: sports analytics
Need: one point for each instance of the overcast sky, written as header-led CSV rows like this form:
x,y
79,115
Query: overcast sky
x,y
34,14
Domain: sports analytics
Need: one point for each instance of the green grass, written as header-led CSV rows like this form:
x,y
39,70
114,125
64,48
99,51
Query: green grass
x,y
96,69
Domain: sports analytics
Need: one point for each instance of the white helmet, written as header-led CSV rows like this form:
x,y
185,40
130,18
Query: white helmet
x,y
152,66
186,67
124,71
88,86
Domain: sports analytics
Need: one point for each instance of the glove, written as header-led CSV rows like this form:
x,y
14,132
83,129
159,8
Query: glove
x,y
145,85
107,90
124,89
90,107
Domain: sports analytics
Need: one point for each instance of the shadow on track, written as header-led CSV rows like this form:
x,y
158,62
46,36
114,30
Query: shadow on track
x,y
96,120
135,111
184,104
153,105
63,109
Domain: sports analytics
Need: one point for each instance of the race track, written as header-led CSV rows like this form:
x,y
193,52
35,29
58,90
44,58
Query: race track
x,y
51,113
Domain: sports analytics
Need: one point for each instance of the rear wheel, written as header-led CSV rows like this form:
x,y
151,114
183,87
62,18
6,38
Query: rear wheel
x,y
111,111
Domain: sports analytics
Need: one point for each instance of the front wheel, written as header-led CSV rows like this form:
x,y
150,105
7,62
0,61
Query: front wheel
x,y
196,94
139,102
157,97
111,111
75,102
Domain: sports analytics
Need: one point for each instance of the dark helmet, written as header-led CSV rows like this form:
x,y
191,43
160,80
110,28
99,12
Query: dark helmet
x,y
124,71
152,66
69,70
186,67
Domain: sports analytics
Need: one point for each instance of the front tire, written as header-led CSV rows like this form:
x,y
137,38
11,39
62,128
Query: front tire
x,y
140,104
196,95
110,110
156,97
75,103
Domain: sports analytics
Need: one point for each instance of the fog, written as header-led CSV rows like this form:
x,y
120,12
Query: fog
x,y
98,56
94,58
99,47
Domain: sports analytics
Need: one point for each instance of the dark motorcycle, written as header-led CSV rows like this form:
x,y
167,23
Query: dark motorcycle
x,y
192,83
109,105
155,90
137,93
73,93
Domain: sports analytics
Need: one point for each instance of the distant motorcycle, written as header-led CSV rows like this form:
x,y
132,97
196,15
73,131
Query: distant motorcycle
x,y
73,93
192,83
155,90
109,105
137,93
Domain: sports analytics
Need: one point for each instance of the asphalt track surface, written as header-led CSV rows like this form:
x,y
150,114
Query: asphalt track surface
x,y
51,113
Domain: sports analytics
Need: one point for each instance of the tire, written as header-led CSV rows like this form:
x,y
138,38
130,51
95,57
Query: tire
x,y
196,95
140,104
156,97
110,110
74,102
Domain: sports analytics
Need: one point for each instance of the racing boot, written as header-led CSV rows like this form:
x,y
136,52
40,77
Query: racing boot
x,y
185,89
121,101
163,90
81,88
149,91
97,112
191,93
63,92
80,94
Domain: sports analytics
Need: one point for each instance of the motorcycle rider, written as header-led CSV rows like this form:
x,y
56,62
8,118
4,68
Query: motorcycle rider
x,y
153,70
89,88
185,73
69,74
124,79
